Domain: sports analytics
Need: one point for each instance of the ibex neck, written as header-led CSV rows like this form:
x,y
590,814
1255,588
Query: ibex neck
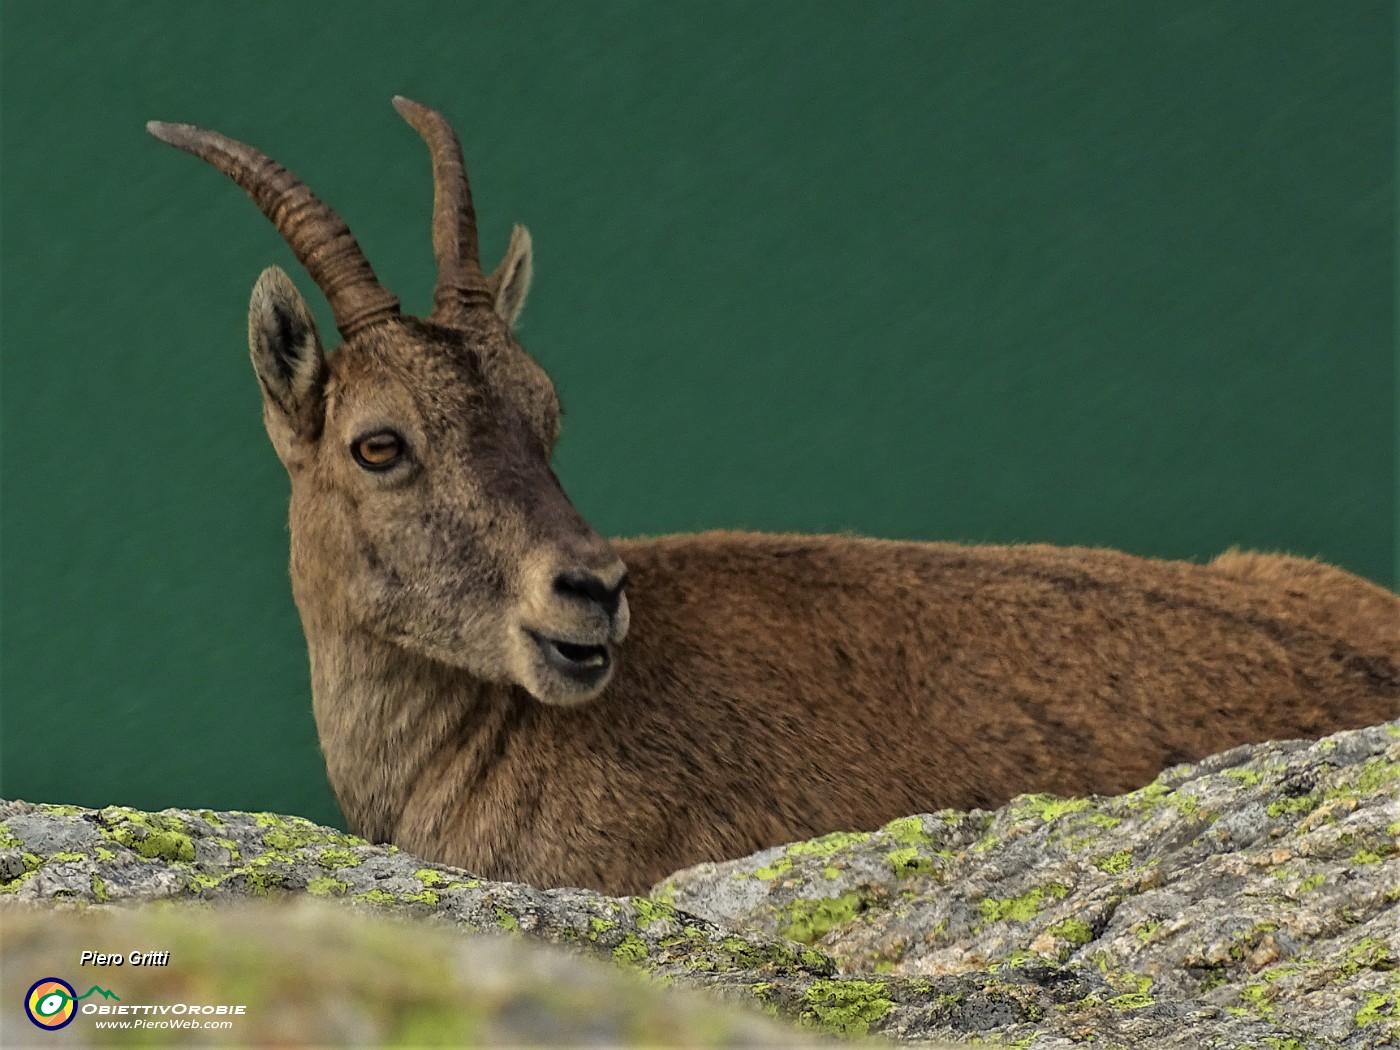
x,y
383,715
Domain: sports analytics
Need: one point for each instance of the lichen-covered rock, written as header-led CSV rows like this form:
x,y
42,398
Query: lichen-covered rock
x,y
57,859
1250,899
309,974
118,855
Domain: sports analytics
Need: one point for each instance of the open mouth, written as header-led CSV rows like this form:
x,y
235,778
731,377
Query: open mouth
x,y
582,663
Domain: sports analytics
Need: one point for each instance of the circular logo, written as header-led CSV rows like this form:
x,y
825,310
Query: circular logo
x,y
51,1003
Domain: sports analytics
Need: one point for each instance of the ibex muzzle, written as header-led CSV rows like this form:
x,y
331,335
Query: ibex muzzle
x,y
419,451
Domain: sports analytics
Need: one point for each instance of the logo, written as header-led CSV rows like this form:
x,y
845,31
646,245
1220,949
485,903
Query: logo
x,y
52,1003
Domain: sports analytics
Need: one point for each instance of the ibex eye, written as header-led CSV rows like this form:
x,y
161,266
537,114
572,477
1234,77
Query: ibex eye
x,y
378,451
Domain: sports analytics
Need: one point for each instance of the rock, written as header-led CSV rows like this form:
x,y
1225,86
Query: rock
x,y
119,856
311,974
135,857
1250,899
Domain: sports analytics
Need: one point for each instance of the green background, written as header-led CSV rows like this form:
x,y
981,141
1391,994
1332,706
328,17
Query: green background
x,y
1089,272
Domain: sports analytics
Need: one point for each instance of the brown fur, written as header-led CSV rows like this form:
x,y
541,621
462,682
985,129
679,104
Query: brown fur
x,y
770,688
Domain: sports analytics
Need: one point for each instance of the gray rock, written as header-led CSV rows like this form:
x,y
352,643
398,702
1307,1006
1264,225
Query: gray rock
x,y
1250,899
202,857
138,857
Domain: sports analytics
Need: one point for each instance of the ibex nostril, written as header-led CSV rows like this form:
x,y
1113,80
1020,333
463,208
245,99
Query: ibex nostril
x,y
580,583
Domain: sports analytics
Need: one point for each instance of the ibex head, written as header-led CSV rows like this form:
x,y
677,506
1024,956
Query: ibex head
x,y
423,506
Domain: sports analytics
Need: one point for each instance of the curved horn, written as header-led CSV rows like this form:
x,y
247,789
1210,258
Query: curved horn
x,y
461,286
317,235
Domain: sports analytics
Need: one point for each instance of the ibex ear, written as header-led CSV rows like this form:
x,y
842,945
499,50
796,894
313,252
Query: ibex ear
x,y
287,355
511,280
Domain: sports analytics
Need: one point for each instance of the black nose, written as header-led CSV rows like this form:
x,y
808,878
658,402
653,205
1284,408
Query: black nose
x,y
580,583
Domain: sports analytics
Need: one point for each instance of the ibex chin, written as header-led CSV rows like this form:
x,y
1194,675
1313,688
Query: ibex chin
x,y
476,701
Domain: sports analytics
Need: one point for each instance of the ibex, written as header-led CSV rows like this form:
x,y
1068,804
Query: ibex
x,y
476,701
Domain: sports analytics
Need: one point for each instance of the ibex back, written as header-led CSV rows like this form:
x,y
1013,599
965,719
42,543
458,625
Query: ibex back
x,y
477,703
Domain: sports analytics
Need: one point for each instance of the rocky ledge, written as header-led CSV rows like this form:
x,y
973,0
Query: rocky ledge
x,y
1249,900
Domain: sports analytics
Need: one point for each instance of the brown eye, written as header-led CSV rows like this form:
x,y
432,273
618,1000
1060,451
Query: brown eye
x,y
378,451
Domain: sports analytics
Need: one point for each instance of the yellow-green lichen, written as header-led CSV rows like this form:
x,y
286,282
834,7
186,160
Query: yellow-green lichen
x,y
988,841
1247,777
286,833
741,954
827,844
1379,1006
1312,882
907,862
1282,970
327,886
1047,807
631,951
291,838
7,838
376,897
99,888
1299,805
845,1007
508,922
150,835
1369,953
809,920
1158,793
1137,996
169,845
650,911
1366,856
14,884
1377,773
199,881
1114,863
769,872
435,879
1022,908
908,831
1023,957
338,858
1072,930
259,881
1260,997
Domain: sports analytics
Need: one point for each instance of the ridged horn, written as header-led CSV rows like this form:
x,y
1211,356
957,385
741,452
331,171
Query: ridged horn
x,y
316,234
461,286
